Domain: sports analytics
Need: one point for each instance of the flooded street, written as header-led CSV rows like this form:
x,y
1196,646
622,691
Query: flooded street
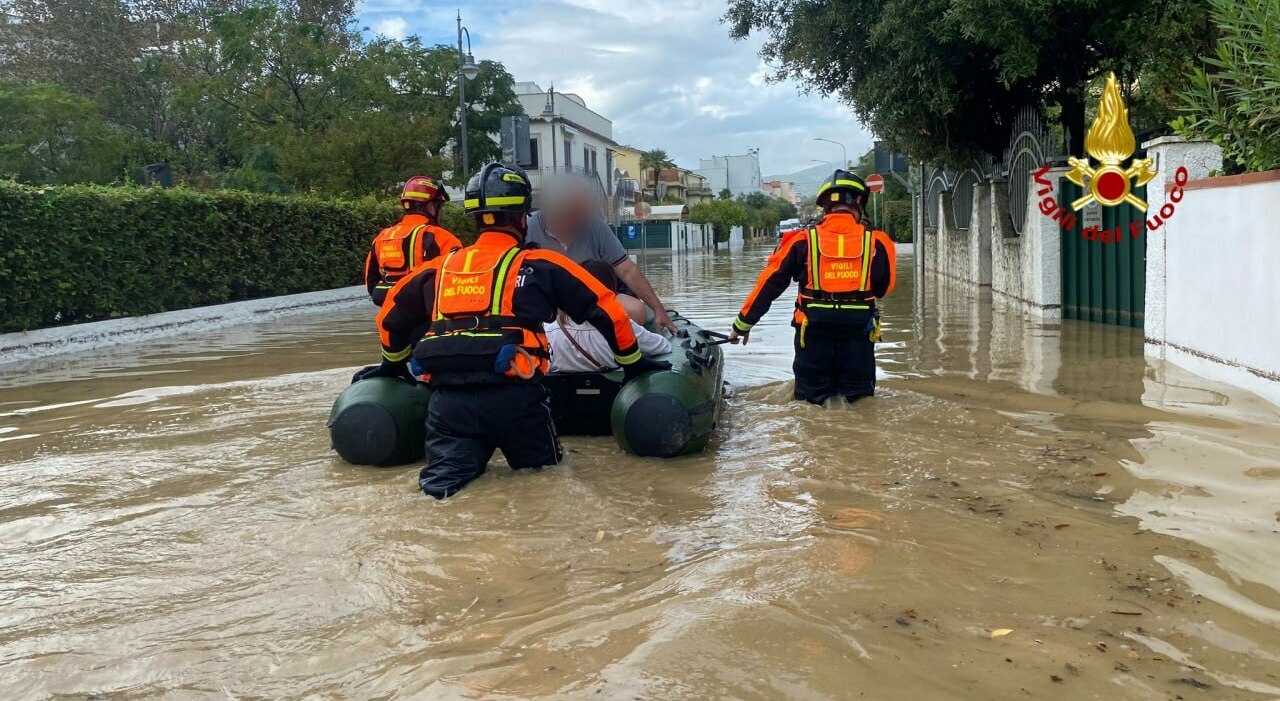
x,y
173,525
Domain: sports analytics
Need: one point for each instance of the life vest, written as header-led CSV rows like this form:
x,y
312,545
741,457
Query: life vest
x,y
395,248
837,285
474,332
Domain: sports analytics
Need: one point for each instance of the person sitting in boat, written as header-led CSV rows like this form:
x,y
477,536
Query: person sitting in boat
x,y
581,348
571,223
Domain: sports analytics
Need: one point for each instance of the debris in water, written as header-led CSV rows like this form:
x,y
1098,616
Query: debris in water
x,y
1127,613
1191,681
599,536
1061,526
1055,678
1000,632
902,622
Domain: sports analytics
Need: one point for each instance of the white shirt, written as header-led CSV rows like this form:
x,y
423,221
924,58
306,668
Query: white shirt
x,y
566,358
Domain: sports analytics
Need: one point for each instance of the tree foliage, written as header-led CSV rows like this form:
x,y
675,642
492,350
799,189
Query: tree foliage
x,y
655,161
1235,100
269,95
49,135
943,80
722,215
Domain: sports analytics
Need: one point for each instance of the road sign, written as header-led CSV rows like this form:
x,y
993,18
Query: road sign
x,y
887,161
875,182
643,210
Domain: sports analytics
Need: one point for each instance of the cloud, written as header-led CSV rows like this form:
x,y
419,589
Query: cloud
x,y
394,27
665,71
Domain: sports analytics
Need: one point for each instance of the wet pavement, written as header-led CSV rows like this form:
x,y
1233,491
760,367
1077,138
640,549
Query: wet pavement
x,y
1026,510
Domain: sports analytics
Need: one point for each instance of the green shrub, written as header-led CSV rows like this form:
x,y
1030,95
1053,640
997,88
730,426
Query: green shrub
x,y
79,253
1236,102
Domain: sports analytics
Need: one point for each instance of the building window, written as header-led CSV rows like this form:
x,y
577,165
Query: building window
x,y
534,152
568,155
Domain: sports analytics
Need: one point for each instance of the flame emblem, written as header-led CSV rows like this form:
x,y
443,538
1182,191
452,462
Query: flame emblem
x,y
1110,141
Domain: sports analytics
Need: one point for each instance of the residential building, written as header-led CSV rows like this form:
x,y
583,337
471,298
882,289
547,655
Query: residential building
x,y
568,137
628,176
740,174
697,189
782,190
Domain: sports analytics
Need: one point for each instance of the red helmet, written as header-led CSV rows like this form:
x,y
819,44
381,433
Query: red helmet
x,y
421,188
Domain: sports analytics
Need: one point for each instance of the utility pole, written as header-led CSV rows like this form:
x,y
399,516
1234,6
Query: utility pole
x,y
467,70
550,112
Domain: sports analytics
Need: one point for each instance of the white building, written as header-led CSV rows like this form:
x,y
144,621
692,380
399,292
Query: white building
x,y
741,174
567,137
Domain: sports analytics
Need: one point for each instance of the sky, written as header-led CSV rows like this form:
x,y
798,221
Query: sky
x,y
664,71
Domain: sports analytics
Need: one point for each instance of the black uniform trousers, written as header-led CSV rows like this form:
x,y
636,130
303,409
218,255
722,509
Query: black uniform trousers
x,y
466,423
837,361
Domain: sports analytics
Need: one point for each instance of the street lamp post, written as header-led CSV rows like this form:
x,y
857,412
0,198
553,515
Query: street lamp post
x,y
467,70
844,153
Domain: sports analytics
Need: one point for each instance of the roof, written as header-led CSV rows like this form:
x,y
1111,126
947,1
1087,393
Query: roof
x,y
669,212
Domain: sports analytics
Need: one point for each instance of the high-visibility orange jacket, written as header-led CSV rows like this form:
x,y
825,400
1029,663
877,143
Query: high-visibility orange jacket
x,y
401,248
483,308
841,266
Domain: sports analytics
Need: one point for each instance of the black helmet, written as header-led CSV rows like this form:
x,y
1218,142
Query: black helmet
x,y
842,187
498,188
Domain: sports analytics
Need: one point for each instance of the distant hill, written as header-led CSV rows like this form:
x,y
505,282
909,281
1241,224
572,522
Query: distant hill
x,y
807,180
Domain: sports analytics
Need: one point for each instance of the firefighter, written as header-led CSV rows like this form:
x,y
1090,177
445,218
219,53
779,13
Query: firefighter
x,y
416,239
843,268
484,349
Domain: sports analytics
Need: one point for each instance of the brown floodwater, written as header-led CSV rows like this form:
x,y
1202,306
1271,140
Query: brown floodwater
x,y
1026,510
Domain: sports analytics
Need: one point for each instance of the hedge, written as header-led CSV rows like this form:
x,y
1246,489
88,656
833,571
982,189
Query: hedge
x,y
78,253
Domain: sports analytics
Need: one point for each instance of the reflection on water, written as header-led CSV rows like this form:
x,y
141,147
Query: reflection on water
x,y
173,526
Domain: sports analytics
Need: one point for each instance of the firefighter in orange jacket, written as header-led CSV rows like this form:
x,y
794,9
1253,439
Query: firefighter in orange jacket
x,y
843,268
416,239
483,352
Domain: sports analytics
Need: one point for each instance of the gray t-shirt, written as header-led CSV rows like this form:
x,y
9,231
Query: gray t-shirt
x,y
598,242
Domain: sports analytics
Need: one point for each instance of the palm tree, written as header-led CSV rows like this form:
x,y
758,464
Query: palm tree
x,y
656,160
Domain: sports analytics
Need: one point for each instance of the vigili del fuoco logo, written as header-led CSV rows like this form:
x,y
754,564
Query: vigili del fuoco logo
x,y
1110,142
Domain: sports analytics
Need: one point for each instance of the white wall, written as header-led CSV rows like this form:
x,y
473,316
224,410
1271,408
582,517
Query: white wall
x,y
1025,268
741,174
1216,283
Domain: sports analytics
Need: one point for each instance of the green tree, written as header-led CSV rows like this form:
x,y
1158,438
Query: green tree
x,y
726,194
1235,101
943,80
655,161
722,215
52,136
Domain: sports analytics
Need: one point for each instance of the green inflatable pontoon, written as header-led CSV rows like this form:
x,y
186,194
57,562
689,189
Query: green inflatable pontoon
x,y
381,421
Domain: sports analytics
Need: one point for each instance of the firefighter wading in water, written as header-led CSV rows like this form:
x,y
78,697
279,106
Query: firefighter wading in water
x,y
843,267
416,239
484,350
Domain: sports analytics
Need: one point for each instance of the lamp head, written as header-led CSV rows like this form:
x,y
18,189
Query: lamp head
x,y
469,68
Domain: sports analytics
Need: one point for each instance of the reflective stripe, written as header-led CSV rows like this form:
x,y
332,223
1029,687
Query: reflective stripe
x,y
473,334
629,358
395,357
814,276
836,305
413,243
866,259
500,280
741,325
498,201
841,183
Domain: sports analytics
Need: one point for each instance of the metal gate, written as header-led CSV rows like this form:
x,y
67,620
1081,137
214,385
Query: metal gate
x,y
1104,277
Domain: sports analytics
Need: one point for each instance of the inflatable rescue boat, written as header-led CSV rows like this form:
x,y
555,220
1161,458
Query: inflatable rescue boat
x,y
382,421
